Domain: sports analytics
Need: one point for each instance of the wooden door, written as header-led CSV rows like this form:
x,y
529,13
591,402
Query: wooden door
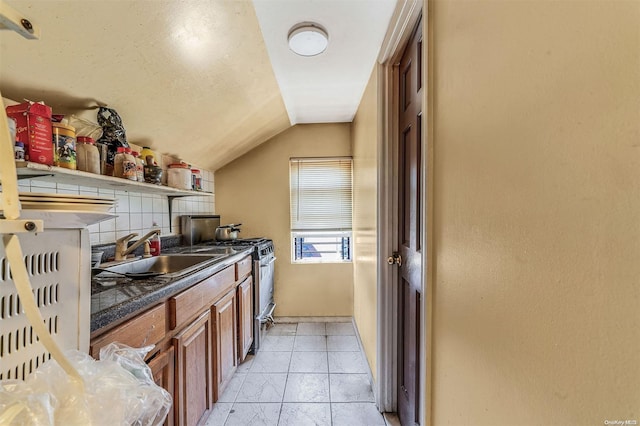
x,y
163,375
193,395
410,91
224,339
245,318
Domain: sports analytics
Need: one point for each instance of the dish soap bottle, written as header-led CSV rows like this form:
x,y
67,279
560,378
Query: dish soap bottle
x,y
154,243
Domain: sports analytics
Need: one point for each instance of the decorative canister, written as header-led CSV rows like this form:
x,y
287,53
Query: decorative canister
x,y
179,176
64,145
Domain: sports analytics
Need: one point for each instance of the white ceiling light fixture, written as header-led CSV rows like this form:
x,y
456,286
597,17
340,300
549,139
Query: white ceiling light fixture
x,y
308,39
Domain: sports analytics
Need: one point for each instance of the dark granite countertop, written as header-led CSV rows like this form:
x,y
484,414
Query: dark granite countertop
x,y
115,299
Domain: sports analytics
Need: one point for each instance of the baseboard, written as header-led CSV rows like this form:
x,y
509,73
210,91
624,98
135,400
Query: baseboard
x,y
369,373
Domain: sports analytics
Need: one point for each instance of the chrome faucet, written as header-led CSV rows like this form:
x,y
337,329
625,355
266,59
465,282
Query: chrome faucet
x,y
121,244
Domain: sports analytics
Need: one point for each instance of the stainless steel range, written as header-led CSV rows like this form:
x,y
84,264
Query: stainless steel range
x,y
263,274
199,231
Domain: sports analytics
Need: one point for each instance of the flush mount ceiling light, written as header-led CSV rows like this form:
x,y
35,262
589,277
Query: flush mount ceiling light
x,y
308,39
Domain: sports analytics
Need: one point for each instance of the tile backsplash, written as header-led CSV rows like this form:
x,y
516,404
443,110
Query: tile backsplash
x,y
136,211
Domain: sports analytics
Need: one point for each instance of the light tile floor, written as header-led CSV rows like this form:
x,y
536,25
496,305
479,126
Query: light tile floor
x,y
308,373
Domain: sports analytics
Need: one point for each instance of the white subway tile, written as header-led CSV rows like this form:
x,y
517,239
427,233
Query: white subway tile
x,y
147,220
158,219
68,187
67,191
42,184
108,225
120,234
107,237
135,221
147,204
44,190
94,238
122,222
135,204
122,204
157,205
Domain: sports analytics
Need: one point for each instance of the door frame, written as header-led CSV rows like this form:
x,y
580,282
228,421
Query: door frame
x,y
400,29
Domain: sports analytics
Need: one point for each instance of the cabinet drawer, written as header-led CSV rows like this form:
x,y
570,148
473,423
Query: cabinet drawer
x,y
201,296
146,329
243,268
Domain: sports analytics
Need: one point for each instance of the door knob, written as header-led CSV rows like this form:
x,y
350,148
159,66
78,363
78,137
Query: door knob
x,y
395,258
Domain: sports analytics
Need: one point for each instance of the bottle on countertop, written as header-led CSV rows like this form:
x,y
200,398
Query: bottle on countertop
x,y
154,243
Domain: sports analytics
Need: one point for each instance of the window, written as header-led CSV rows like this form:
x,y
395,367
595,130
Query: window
x,y
320,209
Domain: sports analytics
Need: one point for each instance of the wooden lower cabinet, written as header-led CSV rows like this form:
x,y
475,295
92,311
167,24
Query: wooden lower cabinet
x,y
162,368
224,336
194,390
245,318
201,333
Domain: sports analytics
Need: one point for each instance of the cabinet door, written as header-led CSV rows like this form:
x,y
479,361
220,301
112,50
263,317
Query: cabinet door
x,y
163,374
245,317
193,394
224,340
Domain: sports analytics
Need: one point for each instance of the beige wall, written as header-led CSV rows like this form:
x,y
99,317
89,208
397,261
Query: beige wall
x,y
365,231
254,190
537,212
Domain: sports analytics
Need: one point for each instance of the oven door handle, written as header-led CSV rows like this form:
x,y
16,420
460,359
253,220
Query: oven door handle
x,y
270,262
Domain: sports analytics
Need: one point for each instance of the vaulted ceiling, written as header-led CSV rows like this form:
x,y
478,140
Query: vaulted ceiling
x,y
205,80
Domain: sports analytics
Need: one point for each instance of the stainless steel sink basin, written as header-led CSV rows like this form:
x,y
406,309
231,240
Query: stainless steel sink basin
x,y
172,264
205,250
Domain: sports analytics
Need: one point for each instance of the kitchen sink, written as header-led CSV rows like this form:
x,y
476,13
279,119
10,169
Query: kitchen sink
x,y
210,250
169,264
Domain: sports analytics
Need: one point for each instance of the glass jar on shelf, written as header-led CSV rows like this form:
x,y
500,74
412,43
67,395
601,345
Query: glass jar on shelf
x,y
196,180
179,176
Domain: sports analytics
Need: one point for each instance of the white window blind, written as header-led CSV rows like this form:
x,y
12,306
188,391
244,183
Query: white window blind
x,y
320,194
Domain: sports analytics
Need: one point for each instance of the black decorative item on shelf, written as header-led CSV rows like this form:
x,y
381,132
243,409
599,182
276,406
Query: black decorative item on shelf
x,y
113,133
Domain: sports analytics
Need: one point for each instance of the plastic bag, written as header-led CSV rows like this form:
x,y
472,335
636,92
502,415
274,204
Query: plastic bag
x,y
85,127
113,133
118,390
